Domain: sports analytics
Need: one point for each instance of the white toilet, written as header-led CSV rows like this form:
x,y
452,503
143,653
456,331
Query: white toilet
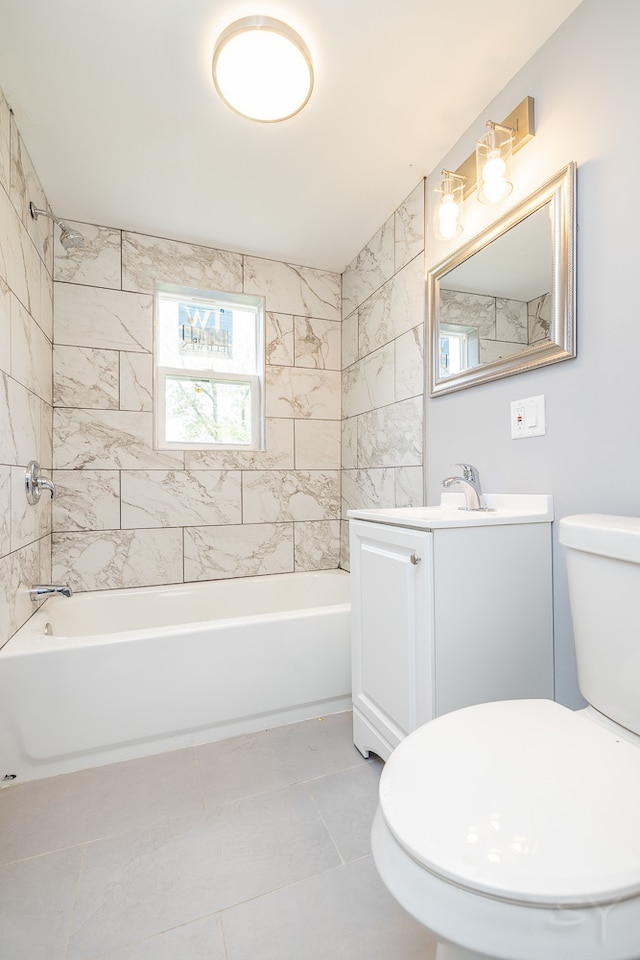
x,y
512,830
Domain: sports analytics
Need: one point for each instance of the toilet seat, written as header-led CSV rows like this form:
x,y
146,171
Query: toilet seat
x,y
541,805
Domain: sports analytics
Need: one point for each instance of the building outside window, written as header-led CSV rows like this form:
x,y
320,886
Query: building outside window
x,y
209,369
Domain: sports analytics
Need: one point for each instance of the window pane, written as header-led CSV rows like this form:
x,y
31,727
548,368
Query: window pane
x,y
208,411
200,335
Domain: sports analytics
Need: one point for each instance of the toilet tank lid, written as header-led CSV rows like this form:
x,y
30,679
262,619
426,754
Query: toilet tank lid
x,y
608,536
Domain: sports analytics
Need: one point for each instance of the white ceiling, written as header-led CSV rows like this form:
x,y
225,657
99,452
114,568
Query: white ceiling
x,y
116,106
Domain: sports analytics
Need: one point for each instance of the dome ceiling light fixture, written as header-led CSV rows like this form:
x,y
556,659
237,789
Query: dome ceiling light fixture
x,y
262,69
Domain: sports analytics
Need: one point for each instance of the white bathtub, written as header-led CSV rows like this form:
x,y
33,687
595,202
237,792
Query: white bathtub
x,y
126,673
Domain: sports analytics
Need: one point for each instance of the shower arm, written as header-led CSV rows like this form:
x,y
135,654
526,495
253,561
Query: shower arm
x,y
35,213
69,236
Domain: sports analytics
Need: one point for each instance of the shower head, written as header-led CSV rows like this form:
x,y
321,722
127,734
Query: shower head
x,y
69,237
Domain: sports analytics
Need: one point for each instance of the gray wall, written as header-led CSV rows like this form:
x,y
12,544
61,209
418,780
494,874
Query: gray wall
x,y
584,81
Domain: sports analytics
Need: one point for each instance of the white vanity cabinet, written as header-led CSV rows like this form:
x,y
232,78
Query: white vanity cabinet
x,y
447,611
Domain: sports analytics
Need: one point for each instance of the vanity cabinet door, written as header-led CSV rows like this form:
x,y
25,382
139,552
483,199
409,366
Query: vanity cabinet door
x,y
392,633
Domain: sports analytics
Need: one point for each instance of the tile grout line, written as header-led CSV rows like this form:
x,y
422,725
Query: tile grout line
x,y
75,902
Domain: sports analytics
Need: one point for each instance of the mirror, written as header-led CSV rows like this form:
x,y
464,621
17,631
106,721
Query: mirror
x,y
505,302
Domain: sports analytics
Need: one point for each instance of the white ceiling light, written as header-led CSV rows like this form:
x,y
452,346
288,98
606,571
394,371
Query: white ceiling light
x,y
262,69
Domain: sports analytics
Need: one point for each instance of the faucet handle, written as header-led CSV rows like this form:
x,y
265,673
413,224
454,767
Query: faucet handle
x,y
469,472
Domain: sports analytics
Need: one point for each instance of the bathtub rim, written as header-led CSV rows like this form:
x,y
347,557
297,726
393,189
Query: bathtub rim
x,y
31,638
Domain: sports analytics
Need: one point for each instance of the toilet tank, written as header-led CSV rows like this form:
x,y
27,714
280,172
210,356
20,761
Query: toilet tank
x,y
603,568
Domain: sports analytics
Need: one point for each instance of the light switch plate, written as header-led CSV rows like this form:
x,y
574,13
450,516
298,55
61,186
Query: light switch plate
x,y
528,418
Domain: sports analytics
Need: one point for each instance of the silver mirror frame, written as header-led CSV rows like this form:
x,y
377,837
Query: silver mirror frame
x,y
559,191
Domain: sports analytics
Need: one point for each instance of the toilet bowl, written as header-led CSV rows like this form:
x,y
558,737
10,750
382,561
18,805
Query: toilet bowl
x,y
512,830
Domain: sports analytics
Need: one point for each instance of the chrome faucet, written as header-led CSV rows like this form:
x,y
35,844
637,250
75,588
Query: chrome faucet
x,y
42,590
470,484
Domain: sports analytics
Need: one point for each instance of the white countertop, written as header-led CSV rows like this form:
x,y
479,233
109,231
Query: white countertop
x,y
504,508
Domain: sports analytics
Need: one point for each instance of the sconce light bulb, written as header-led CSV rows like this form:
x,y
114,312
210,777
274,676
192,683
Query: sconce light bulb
x,y
495,185
448,215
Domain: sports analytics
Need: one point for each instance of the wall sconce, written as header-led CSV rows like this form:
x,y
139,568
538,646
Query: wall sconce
x,y
448,208
493,163
488,168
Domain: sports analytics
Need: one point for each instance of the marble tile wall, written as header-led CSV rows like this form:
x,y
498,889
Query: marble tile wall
x,y
26,325
383,310
504,326
128,515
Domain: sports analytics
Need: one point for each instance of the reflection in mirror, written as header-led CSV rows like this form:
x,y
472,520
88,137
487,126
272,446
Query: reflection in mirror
x,y
504,303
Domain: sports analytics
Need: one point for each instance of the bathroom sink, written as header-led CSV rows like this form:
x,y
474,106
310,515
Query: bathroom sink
x,y
504,508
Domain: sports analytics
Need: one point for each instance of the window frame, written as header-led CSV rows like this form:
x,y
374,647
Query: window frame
x,y
161,373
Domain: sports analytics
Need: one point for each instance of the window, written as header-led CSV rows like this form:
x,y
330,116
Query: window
x,y
209,369
458,348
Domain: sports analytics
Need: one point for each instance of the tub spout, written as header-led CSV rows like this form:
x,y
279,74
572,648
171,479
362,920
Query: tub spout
x,y
41,590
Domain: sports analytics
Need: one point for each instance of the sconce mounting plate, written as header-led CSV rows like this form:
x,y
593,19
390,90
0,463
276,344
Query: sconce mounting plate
x,y
521,121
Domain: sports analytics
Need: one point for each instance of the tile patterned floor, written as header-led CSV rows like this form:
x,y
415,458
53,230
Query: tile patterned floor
x,y
254,848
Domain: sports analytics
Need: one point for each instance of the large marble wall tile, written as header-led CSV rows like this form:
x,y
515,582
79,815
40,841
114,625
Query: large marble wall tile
x,y
318,444
344,545
497,349
136,381
217,553
318,343
86,500
317,544
350,339
369,383
5,138
5,327
367,488
38,277
394,309
146,260
279,340
108,560
302,393
85,377
391,436
279,495
18,572
45,445
350,443
108,439
369,270
409,487
29,522
23,420
302,291
277,455
19,261
7,588
409,227
511,320
409,364
97,262
180,498
44,545
539,318
110,319
5,510
42,301
470,309
25,188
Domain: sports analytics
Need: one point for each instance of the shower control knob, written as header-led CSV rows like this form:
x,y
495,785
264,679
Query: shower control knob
x,y
415,559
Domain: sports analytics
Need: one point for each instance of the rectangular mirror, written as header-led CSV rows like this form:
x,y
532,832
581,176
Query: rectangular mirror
x,y
505,302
